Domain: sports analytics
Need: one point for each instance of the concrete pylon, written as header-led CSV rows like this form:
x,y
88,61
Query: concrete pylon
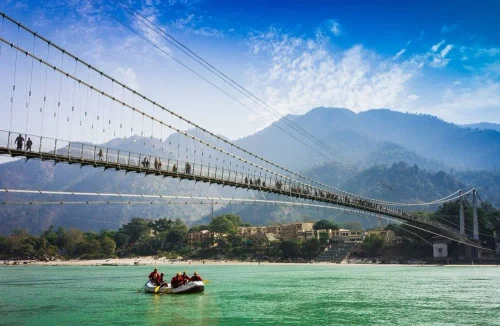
x,y
462,219
474,216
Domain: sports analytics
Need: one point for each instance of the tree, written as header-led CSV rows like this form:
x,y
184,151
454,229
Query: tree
x,y
325,225
71,241
311,247
176,237
121,239
290,248
136,229
50,235
108,246
162,224
373,243
227,223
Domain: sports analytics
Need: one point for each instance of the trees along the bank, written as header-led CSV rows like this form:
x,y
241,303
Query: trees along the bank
x,y
290,248
137,228
227,223
108,246
325,225
372,244
311,247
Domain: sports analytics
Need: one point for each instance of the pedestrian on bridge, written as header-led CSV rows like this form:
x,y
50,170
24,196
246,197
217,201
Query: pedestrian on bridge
x,y
19,140
29,143
100,154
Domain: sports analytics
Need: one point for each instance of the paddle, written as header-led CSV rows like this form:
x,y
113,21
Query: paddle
x,y
159,286
206,282
142,287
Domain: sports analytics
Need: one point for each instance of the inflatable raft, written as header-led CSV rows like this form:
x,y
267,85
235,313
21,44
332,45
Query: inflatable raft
x,y
190,287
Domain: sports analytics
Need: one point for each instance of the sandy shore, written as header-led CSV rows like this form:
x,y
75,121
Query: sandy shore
x,y
154,261
138,261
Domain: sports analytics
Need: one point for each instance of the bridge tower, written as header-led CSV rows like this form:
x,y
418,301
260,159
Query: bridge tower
x,y
476,253
463,250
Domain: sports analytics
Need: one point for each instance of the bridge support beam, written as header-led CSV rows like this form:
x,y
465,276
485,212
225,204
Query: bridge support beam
x,y
463,250
476,253
462,219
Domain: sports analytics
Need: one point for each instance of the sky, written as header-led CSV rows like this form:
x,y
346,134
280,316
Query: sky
x,y
423,57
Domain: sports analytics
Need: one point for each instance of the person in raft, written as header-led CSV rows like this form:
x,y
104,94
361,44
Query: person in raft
x,y
160,280
155,277
196,277
176,281
185,278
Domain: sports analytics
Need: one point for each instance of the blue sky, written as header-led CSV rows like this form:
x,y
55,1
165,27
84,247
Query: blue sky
x,y
428,56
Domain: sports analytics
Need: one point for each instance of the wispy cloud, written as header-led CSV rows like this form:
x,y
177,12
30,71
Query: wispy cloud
x,y
334,27
301,73
436,47
412,97
397,55
446,50
434,58
492,52
448,28
128,76
479,101
193,24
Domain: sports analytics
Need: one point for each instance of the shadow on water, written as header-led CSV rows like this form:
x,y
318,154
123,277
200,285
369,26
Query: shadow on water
x,y
181,309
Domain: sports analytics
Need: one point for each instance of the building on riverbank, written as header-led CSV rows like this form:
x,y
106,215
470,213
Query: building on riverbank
x,y
204,237
300,231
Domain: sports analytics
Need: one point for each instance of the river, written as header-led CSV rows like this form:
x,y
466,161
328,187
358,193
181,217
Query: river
x,y
266,294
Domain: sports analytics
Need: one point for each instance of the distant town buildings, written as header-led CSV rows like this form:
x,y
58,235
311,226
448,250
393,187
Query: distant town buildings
x,y
300,231
287,231
203,238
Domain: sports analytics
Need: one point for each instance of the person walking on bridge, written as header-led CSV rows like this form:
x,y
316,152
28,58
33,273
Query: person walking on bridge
x,y
29,143
19,141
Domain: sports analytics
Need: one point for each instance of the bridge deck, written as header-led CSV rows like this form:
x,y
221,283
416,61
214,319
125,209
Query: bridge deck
x,y
107,158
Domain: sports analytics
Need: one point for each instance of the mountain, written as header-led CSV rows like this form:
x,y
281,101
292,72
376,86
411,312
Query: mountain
x,y
484,126
379,137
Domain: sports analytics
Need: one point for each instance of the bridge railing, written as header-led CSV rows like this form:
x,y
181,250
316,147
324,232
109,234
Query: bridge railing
x,y
79,151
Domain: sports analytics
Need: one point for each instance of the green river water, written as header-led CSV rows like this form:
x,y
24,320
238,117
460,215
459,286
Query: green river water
x,y
240,294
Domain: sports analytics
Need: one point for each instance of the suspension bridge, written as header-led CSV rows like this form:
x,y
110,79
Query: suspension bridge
x,y
51,89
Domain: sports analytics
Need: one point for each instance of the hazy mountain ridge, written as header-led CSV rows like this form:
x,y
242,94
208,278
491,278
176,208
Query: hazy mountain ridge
x,y
336,128
483,125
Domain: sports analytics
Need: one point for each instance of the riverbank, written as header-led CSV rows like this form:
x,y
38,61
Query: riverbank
x,y
155,261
